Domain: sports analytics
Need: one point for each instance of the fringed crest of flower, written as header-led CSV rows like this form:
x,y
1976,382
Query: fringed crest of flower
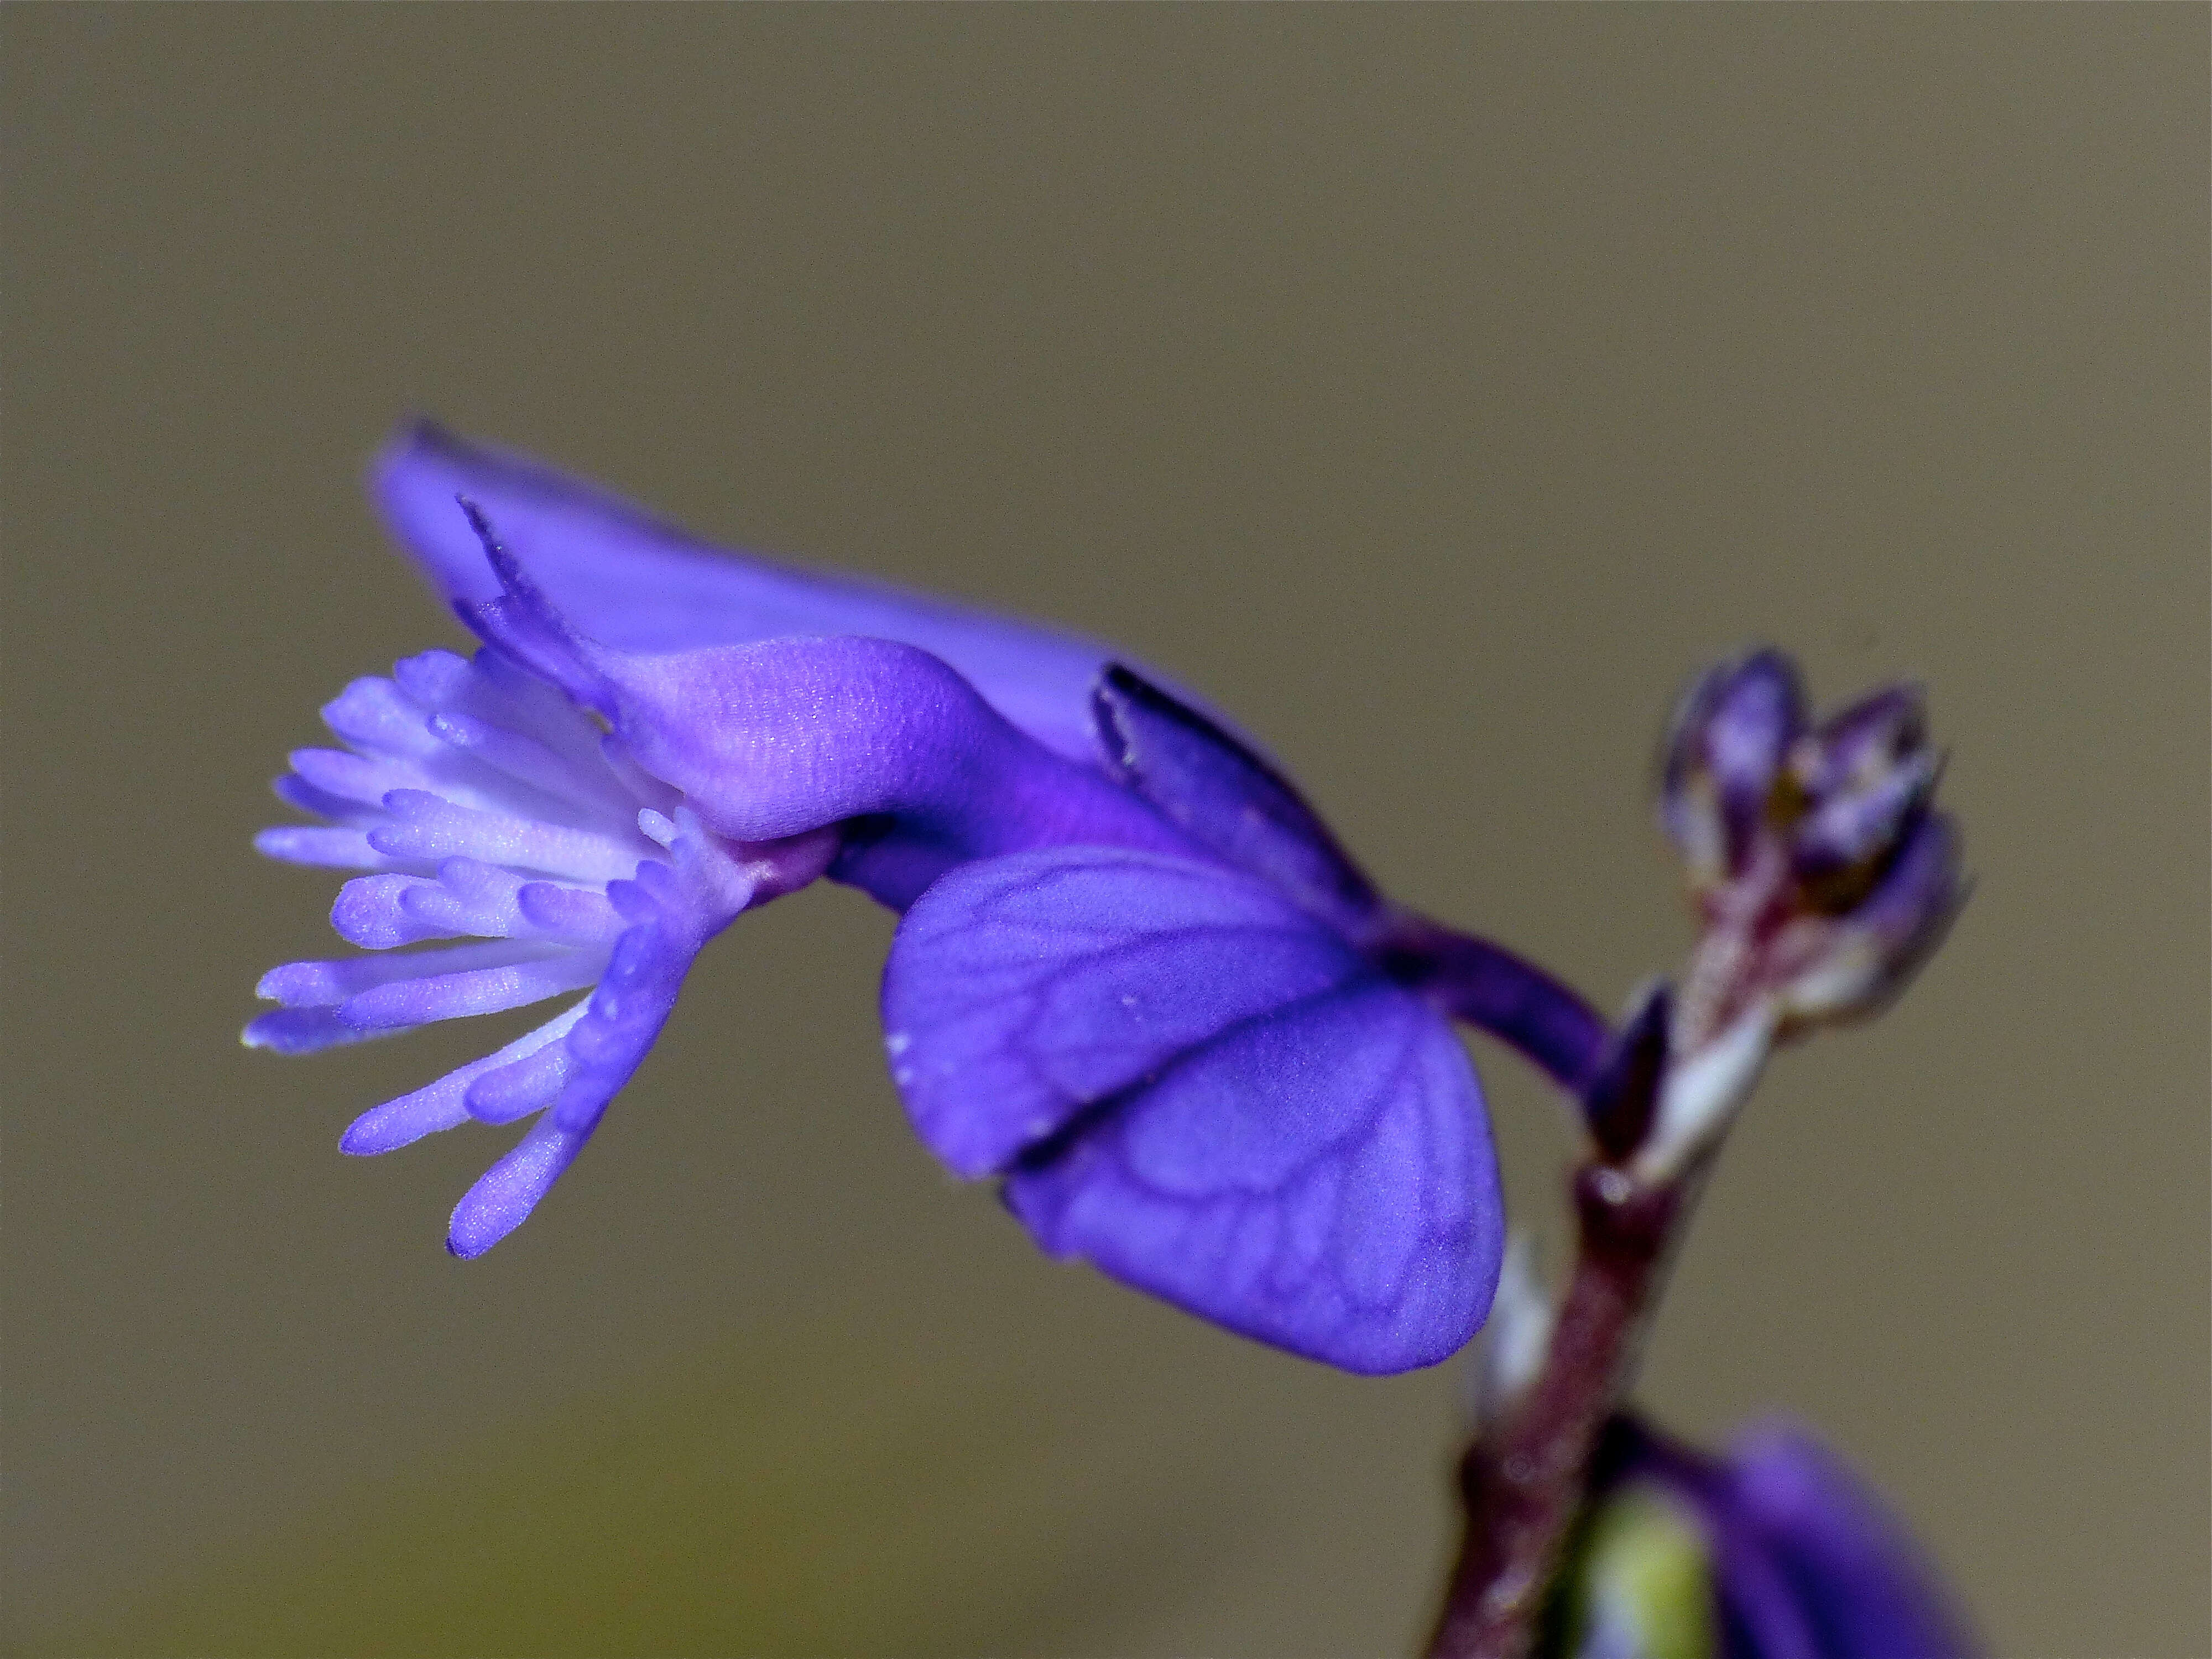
x,y
489,807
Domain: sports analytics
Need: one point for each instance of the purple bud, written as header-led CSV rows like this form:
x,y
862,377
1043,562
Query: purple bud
x,y
1823,873
1861,740
1839,843
1723,753
1871,955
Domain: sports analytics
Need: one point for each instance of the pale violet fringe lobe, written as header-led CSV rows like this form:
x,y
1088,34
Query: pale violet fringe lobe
x,y
488,807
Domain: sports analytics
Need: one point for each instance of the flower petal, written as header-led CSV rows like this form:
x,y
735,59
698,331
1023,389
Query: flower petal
x,y
785,736
634,1000
303,1032
426,828
476,991
523,1086
1228,798
329,983
325,848
504,1196
640,585
444,1105
1021,989
1205,1092
1319,1178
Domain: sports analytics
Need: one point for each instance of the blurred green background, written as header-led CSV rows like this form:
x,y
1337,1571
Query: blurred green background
x,y
1435,388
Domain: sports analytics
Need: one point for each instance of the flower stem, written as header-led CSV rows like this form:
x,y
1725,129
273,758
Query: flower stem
x,y
1523,1485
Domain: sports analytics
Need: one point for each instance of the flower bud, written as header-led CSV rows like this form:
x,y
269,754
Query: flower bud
x,y
1723,755
1822,870
1822,874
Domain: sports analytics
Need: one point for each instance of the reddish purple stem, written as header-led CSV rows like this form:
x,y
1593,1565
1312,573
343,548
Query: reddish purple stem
x,y
1523,1485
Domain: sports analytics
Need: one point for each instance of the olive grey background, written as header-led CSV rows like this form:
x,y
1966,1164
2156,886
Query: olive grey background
x,y
1435,388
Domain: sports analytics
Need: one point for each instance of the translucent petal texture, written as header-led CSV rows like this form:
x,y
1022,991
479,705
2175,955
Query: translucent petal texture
x,y
1282,1141
645,585
1318,1178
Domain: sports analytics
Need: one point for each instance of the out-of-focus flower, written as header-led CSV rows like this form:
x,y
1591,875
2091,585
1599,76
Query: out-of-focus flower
x,y
1136,977
1814,849
1775,1552
1823,874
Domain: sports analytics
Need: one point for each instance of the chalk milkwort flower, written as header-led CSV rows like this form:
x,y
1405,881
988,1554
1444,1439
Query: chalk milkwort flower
x,y
1136,978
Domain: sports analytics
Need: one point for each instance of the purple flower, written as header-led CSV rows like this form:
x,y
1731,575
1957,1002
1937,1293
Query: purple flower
x,y
1776,1551
1136,979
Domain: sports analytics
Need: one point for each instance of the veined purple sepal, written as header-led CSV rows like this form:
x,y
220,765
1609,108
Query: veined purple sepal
x,y
1193,1084
1021,992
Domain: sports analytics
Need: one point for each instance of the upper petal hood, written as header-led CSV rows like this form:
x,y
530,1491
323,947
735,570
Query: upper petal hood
x,y
641,585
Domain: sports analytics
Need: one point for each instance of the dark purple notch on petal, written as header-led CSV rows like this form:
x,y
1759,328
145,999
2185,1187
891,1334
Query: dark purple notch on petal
x,y
522,622
1229,800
